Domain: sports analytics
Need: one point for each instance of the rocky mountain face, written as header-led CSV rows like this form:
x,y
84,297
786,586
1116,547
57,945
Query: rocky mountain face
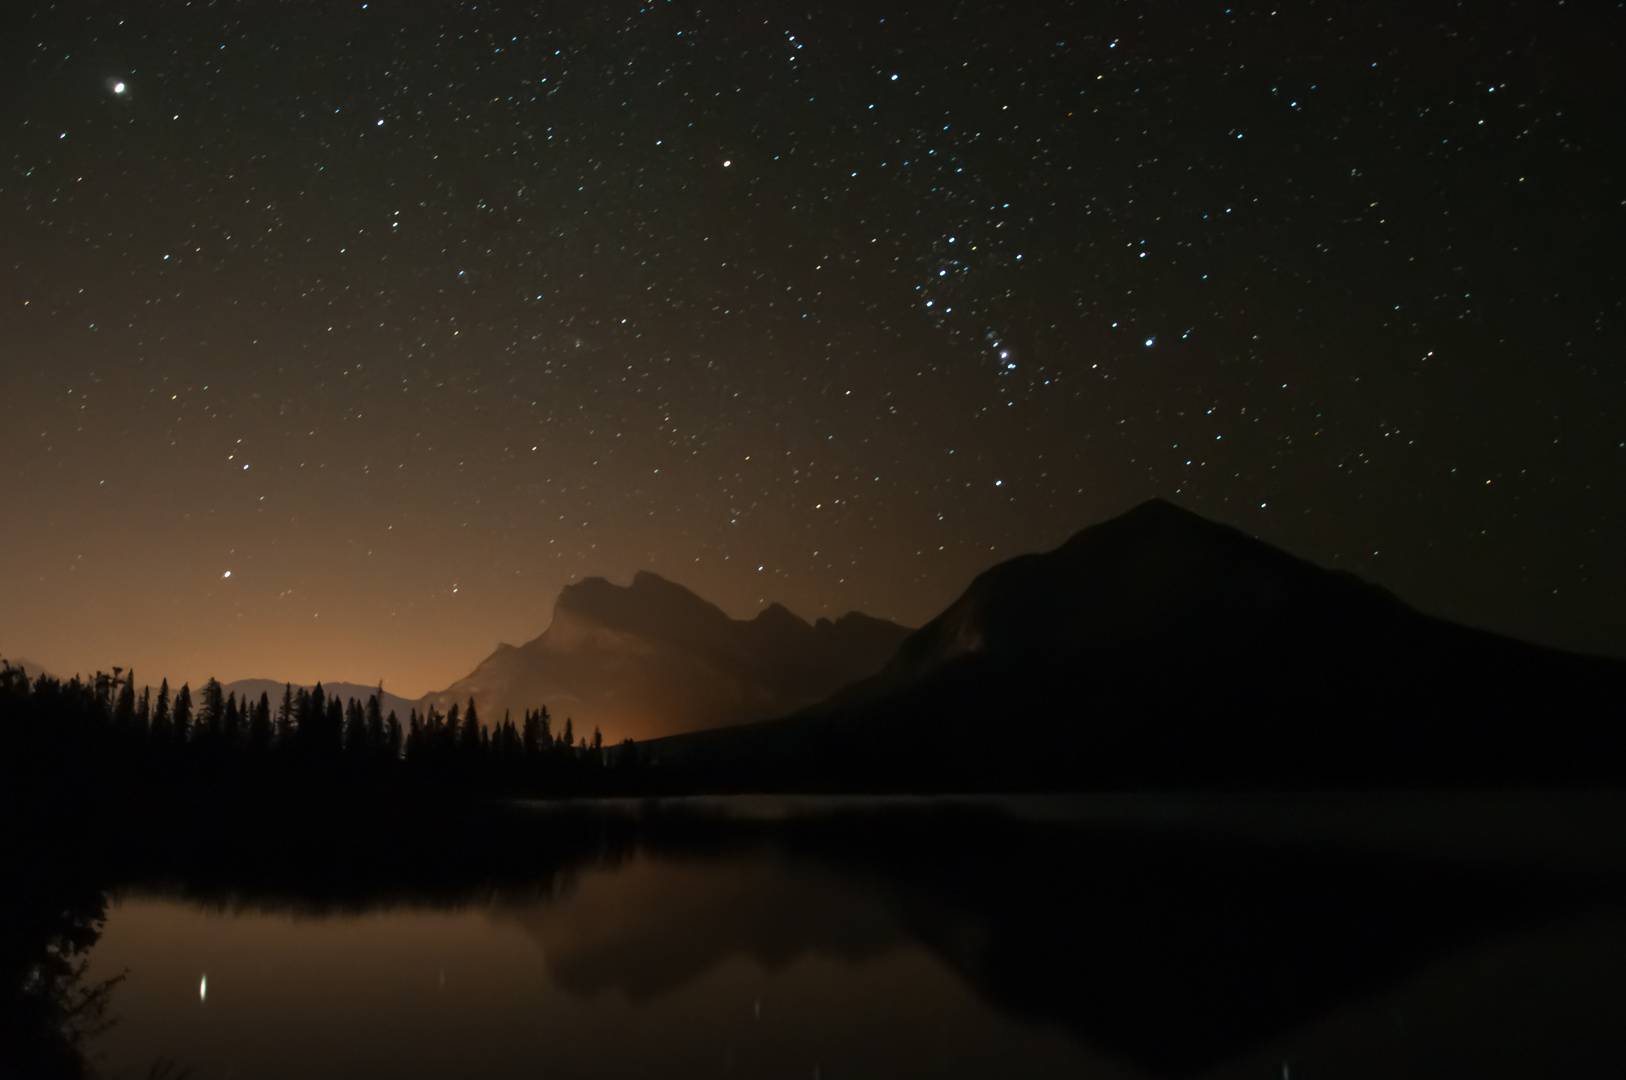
x,y
653,659
1161,648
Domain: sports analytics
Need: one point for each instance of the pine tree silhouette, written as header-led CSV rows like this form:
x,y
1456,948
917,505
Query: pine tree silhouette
x,y
183,714
259,725
124,711
355,727
231,727
285,717
469,738
163,726
375,725
211,711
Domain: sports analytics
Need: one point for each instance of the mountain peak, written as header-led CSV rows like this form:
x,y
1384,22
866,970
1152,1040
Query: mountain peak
x,y
649,581
650,605
1156,572
777,614
1157,521
652,657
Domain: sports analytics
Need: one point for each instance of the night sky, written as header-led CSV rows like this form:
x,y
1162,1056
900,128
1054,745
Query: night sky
x,y
407,314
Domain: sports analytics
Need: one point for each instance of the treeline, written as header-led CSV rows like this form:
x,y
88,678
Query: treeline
x,y
104,720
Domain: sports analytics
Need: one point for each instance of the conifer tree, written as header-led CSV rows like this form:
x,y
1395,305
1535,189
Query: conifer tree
x,y
143,713
355,727
375,724
124,711
413,747
392,735
471,736
259,725
231,727
333,727
539,732
183,713
285,716
211,710
305,719
163,727
312,728
430,732
103,689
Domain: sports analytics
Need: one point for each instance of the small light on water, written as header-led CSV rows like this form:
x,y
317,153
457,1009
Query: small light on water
x,y
203,988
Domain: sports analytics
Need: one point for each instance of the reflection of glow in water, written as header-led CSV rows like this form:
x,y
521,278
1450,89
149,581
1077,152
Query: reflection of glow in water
x,y
203,987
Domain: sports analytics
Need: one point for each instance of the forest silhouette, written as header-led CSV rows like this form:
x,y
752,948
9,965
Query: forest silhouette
x,y
101,785
89,731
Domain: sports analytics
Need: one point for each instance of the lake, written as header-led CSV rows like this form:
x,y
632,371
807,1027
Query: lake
x,y
1110,936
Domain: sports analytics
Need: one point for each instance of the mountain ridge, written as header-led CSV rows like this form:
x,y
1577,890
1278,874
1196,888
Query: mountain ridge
x,y
653,657
1162,648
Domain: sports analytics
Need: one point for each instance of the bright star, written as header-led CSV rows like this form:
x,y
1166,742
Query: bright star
x,y
118,88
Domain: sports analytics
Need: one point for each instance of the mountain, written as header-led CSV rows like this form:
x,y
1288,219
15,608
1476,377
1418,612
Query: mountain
x,y
1160,648
652,658
251,689
30,668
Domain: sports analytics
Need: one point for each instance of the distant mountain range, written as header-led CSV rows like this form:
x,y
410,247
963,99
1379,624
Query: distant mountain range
x,y
643,661
251,689
30,668
652,658
1160,648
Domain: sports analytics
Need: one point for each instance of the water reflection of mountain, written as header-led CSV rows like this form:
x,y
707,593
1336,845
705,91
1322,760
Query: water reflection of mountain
x,y
1176,952
654,925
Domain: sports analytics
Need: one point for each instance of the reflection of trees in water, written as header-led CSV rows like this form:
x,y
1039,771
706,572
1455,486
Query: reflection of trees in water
x,y
49,1012
1173,951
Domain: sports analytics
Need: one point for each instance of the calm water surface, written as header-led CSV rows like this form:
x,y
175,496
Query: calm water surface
x,y
1105,938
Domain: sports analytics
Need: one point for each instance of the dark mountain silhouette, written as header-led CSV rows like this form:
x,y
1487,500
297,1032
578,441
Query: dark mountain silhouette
x,y
1160,648
653,658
